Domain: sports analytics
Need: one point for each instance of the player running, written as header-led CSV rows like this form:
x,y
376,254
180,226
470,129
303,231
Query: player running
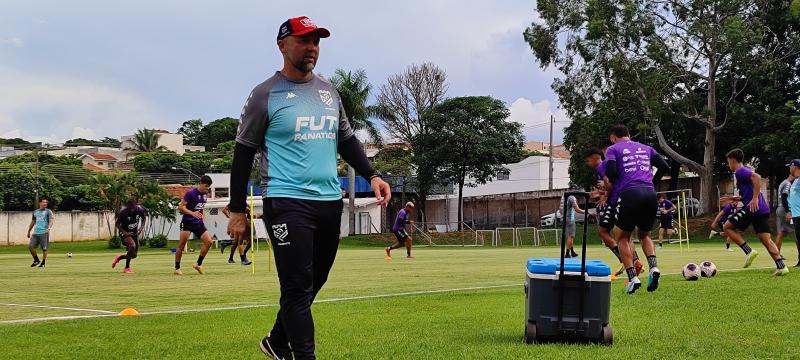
x,y
399,231
243,249
794,203
629,168
719,222
666,209
130,223
606,202
754,212
191,207
783,217
41,223
295,119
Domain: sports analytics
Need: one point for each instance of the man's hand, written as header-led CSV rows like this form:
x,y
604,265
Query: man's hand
x,y
754,205
383,192
788,216
29,234
197,215
237,226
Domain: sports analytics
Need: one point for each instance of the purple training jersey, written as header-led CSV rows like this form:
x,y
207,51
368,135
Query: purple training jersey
x,y
633,165
195,201
401,220
727,210
611,199
745,186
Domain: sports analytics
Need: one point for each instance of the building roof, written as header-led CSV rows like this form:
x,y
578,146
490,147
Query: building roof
x,y
93,167
99,156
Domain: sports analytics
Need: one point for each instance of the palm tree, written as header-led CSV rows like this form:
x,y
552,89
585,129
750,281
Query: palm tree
x,y
354,88
146,140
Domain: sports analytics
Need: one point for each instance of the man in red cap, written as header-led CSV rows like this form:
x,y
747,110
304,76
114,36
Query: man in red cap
x,y
296,120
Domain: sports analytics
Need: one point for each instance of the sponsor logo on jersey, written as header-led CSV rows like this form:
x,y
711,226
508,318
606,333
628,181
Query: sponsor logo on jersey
x,y
326,97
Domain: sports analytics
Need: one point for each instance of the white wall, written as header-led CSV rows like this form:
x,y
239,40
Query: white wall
x,y
530,174
69,226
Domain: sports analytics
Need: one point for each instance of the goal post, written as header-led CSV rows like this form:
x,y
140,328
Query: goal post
x,y
680,221
524,233
543,236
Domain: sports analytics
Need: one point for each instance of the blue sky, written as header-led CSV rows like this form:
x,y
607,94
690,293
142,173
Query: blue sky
x,y
105,68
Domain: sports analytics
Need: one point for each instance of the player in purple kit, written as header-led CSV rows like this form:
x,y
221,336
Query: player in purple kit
x,y
606,202
754,212
130,222
665,210
399,230
629,168
719,222
191,207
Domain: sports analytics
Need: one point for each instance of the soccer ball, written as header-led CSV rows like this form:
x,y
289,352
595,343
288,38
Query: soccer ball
x,y
691,272
69,254
708,269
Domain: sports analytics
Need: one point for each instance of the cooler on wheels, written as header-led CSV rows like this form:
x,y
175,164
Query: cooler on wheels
x,y
568,299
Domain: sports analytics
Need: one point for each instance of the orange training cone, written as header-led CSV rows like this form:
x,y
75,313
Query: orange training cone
x,y
128,312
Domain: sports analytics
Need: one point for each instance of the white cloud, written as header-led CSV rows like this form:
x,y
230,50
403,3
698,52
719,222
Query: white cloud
x,y
53,109
12,41
535,119
85,133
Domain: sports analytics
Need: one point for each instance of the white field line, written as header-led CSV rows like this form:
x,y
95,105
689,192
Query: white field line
x,y
60,308
332,300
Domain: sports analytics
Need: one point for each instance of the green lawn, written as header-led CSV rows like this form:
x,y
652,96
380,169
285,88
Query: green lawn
x,y
367,313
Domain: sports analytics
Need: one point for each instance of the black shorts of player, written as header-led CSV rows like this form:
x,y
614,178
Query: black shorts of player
x,y
636,208
608,218
401,235
197,229
133,235
743,218
666,221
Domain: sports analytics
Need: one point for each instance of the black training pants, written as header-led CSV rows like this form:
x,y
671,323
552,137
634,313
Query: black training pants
x,y
305,237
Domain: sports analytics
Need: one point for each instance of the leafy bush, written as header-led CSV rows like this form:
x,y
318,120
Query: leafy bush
x,y
115,242
158,241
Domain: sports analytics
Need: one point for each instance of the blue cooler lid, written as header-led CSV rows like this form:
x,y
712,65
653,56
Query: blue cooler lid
x,y
551,266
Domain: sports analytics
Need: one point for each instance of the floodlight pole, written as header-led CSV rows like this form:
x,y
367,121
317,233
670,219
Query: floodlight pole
x,y
550,171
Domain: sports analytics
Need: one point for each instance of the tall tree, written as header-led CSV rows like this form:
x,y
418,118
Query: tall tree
x,y
146,140
217,131
354,90
668,56
470,141
402,103
190,129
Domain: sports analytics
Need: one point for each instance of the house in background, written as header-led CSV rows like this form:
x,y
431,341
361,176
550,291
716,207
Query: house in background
x,y
170,141
99,162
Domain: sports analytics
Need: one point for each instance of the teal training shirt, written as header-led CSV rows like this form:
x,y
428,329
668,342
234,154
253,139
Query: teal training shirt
x,y
41,220
296,126
794,198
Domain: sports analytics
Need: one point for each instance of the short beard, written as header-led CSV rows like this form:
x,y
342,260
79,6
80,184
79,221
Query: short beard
x,y
303,66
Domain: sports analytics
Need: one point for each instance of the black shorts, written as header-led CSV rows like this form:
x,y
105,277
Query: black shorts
x,y
666,222
637,208
197,229
401,235
608,218
743,218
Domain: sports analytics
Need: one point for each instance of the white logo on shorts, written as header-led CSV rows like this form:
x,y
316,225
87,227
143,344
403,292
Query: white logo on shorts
x,y
280,231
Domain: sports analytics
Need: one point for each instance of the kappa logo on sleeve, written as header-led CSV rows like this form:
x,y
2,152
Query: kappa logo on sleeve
x,y
280,232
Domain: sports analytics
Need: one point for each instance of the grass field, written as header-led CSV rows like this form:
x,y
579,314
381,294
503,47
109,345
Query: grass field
x,y
448,303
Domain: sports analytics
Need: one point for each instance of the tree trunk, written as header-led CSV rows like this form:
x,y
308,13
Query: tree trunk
x,y
708,192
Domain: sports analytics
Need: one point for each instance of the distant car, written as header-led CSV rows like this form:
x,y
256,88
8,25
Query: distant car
x,y
552,219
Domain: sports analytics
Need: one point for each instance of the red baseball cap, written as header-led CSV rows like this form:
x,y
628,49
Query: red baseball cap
x,y
300,26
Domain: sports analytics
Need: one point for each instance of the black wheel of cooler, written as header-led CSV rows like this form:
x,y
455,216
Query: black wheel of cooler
x,y
607,335
530,333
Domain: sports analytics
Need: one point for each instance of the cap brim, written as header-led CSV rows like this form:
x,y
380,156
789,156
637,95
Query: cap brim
x,y
322,32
